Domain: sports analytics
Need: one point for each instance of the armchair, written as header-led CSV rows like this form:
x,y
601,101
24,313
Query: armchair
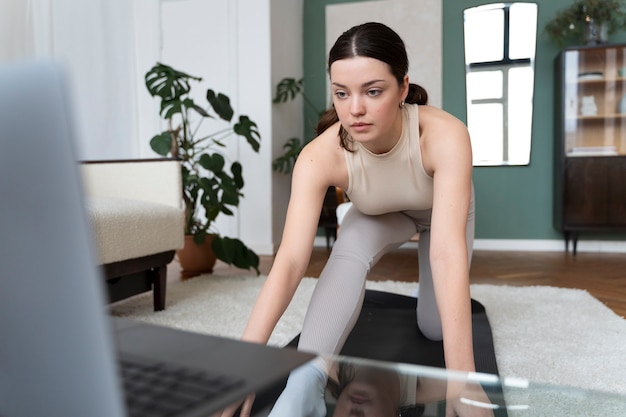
x,y
135,209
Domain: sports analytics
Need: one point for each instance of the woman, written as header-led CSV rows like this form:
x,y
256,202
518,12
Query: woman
x,y
407,168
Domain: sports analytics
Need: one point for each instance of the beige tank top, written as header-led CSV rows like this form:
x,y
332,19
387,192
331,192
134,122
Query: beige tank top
x,y
393,181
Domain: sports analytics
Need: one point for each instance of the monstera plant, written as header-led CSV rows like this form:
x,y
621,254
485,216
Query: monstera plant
x,y
287,90
211,185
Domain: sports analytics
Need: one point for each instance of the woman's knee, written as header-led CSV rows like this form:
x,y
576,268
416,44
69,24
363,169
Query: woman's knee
x,y
428,319
431,329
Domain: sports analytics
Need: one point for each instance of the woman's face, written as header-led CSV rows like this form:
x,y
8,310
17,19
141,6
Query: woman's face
x,y
367,99
372,393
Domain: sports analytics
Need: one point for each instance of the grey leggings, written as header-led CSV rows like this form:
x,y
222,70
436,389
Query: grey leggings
x,y
362,241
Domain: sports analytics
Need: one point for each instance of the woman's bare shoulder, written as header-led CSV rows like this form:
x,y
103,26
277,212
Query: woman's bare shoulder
x,y
444,139
327,139
434,118
324,155
322,148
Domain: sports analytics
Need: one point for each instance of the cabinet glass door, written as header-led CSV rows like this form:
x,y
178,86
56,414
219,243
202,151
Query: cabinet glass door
x,y
595,101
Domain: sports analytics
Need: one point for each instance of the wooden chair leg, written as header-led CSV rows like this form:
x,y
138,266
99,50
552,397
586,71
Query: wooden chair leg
x,y
159,285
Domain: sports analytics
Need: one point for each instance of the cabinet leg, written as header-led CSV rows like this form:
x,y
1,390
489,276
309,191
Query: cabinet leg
x,y
574,242
566,239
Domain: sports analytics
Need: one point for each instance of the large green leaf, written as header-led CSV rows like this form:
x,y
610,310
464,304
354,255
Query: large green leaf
x,y
170,107
286,161
221,104
168,83
230,192
210,189
236,169
248,129
288,89
162,143
234,252
213,162
225,210
190,104
223,249
212,212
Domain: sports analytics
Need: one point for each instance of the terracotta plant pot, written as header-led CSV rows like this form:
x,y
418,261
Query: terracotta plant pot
x,y
196,259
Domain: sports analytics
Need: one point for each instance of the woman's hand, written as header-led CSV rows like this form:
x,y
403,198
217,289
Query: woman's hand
x,y
469,401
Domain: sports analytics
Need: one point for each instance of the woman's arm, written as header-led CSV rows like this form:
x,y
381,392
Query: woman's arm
x,y
448,157
313,173
319,165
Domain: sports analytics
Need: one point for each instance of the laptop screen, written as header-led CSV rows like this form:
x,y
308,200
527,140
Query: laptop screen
x,y
55,347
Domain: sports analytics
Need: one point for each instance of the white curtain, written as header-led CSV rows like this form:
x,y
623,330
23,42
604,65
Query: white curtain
x,y
93,40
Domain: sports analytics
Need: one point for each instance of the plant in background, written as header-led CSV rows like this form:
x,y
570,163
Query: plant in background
x,y
286,90
570,23
209,187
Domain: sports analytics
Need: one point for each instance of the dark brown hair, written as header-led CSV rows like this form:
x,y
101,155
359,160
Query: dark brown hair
x,y
371,40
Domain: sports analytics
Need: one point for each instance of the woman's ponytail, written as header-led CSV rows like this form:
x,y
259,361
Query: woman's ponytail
x,y
328,118
417,95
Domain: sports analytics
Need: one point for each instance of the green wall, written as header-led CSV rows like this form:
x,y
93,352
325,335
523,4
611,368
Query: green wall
x,y
511,202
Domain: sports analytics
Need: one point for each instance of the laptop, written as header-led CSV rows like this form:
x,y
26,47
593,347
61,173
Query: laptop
x,y
60,351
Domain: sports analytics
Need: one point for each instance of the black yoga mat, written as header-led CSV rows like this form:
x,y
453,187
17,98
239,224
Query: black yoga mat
x,y
387,330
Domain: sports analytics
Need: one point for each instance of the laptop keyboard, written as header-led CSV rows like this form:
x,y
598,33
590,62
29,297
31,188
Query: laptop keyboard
x,y
158,389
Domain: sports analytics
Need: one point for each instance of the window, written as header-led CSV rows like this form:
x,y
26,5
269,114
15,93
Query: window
x,y
500,44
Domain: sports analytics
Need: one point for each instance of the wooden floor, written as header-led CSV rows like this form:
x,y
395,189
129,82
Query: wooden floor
x,y
602,274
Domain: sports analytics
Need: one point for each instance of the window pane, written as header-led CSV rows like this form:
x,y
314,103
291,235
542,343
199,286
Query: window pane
x,y
484,31
520,114
484,85
486,131
522,35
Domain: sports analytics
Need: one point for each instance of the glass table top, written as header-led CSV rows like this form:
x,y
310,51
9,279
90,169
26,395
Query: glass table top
x,y
362,388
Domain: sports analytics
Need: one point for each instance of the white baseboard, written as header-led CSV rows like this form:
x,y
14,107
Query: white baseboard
x,y
529,245
549,245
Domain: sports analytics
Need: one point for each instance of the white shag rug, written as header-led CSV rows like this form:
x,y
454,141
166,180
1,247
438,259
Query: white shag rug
x,y
544,334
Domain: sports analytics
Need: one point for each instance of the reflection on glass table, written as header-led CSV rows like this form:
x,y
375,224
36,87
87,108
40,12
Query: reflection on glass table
x,y
364,388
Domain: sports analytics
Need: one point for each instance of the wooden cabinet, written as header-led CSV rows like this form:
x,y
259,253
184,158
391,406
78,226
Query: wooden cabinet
x,y
590,141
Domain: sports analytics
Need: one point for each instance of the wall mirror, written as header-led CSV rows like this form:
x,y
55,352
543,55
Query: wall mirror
x,y
500,42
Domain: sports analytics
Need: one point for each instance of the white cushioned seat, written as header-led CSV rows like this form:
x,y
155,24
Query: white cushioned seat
x,y
125,229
